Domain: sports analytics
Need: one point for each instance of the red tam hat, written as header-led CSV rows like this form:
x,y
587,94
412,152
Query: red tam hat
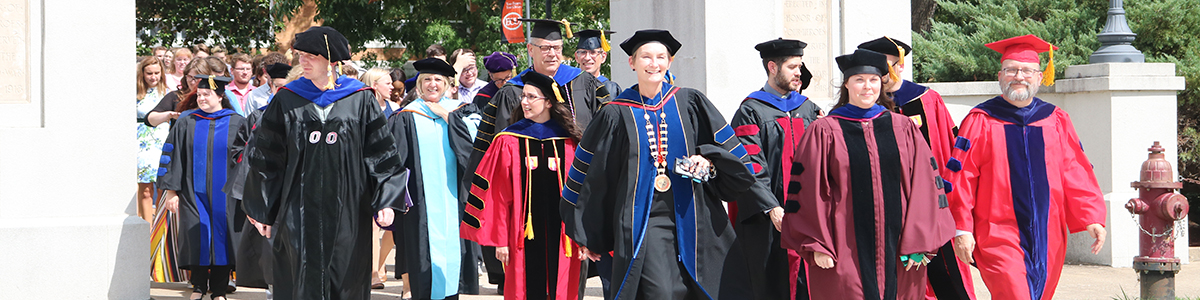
x,y
1025,48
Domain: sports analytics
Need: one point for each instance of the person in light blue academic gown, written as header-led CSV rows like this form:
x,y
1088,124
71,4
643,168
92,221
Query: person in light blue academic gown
x,y
433,136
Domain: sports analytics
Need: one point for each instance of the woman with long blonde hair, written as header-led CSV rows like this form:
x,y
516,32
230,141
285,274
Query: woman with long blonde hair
x,y
150,88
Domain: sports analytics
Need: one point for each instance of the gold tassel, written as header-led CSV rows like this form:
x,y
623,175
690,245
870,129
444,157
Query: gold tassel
x,y
212,85
891,71
1048,74
332,79
604,43
567,245
528,223
557,96
567,24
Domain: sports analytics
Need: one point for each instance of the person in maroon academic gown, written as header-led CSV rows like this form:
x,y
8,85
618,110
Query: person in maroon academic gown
x,y
514,199
864,207
770,122
1021,181
949,278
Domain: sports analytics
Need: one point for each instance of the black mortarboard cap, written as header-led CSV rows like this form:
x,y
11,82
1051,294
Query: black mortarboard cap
x,y
887,46
215,83
278,70
542,82
547,29
593,39
862,61
324,41
780,47
434,66
641,37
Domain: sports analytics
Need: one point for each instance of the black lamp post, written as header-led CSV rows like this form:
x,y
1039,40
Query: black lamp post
x,y
1116,38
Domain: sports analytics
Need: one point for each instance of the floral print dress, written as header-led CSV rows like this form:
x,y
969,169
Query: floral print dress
x,y
150,139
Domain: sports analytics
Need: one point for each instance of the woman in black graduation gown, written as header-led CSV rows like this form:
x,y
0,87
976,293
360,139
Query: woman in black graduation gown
x,y
197,160
628,193
433,138
322,165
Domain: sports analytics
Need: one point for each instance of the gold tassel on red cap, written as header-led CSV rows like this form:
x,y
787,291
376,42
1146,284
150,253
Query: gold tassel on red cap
x,y
1048,74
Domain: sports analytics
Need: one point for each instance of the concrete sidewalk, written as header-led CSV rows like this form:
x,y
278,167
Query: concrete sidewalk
x,y
1078,282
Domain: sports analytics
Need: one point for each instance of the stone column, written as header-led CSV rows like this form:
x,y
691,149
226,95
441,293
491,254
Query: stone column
x,y
67,152
1119,110
718,37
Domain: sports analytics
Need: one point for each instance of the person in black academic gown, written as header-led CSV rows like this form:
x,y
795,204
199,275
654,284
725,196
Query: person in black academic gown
x,y
591,52
770,122
627,191
253,248
198,158
501,67
322,165
432,136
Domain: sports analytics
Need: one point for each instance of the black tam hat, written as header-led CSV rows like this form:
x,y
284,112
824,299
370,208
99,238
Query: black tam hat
x,y
546,84
641,37
278,70
780,47
215,83
324,41
593,39
434,66
548,29
887,45
862,61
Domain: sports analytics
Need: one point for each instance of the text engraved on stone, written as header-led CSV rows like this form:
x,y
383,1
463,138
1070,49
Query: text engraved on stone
x,y
14,51
809,21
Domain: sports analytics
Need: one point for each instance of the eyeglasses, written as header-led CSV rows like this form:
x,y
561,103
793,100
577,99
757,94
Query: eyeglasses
x,y
582,52
548,48
1013,71
531,98
246,69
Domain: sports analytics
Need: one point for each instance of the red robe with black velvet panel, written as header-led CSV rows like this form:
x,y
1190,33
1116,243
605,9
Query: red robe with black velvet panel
x,y
866,191
506,192
949,277
1021,184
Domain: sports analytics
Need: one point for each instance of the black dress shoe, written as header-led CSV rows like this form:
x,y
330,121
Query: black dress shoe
x,y
377,286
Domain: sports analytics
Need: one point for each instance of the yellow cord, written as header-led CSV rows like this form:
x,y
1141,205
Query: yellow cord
x,y
332,79
891,71
567,24
1048,74
604,42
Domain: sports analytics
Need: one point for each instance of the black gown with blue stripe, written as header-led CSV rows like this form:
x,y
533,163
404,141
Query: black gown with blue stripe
x,y
198,157
666,245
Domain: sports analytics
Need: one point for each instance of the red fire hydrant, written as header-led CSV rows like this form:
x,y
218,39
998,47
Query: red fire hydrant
x,y
1161,209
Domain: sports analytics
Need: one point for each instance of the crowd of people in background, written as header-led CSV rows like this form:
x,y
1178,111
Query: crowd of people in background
x,y
300,172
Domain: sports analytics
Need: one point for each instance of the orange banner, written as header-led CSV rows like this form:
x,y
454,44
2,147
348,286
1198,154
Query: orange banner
x,y
513,30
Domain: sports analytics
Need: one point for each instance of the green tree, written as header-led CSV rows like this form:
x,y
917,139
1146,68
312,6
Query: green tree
x,y
244,24
1168,31
416,24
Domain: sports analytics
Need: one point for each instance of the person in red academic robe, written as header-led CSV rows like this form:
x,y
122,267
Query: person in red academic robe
x,y
949,278
1020,181
514,200
864,208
